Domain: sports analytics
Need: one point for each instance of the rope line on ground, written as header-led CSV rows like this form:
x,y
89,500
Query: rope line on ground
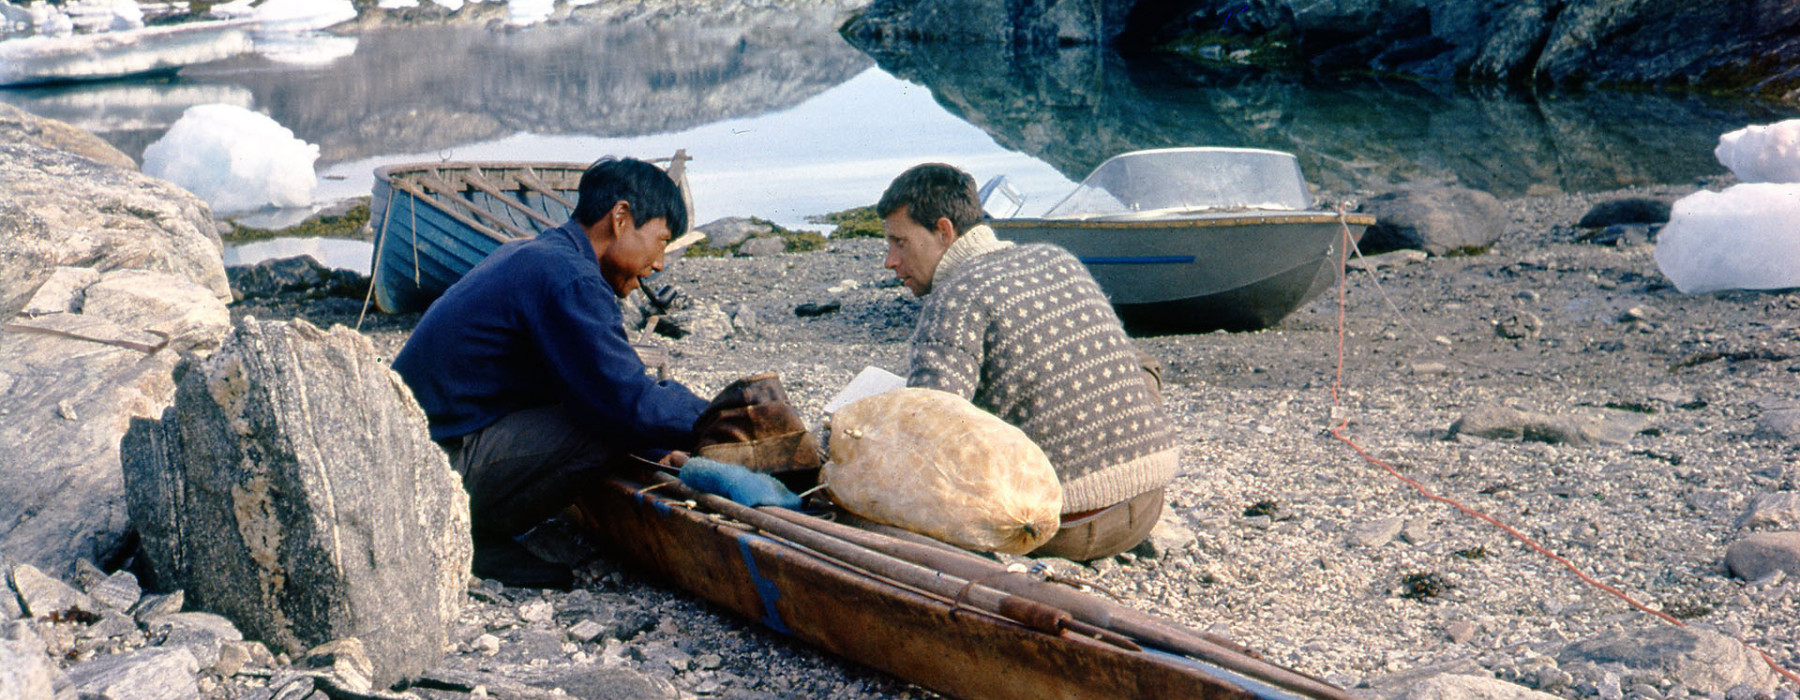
x,y
1337,432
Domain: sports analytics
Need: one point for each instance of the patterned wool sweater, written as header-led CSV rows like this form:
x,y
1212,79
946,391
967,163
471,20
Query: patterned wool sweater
x,y
1025,333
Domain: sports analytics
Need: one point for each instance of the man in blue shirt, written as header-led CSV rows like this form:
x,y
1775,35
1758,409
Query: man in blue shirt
x,y
523,366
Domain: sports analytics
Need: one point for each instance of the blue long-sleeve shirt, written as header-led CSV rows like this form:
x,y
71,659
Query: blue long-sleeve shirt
x,y
533,325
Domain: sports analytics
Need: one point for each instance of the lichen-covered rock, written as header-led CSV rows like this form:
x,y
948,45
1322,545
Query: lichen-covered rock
x,y
293,488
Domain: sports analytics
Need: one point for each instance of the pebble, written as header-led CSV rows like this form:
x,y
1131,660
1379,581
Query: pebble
x,y
537,611
1375,533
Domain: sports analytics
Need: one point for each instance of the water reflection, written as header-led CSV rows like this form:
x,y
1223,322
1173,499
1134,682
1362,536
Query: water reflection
x,y
1076,107
338,253
129,115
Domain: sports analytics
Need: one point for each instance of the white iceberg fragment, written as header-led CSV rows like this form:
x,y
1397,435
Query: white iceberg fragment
x,y
1762,152
235,159
47,58
397,4
521,13
451,5
1746,237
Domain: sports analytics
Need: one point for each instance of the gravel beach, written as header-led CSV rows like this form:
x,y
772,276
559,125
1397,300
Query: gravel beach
x,y
1299,548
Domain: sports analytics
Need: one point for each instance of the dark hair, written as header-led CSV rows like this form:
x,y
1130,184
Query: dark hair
x,y
930,192
642,186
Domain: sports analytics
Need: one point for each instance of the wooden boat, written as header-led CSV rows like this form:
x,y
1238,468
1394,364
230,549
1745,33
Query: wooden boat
x,y
434,221
1197,239
956,623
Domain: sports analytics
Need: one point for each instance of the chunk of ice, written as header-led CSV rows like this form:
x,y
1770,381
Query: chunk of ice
x,y
235,159
1762,152
1746,237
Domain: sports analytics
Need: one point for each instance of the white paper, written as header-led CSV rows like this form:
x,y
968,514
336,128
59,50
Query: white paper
x,y
869,382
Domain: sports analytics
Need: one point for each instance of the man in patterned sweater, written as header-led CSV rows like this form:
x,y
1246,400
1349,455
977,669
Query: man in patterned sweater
x,y
1025,333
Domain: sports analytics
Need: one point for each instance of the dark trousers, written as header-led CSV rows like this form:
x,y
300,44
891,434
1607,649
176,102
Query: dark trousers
x,y
524,468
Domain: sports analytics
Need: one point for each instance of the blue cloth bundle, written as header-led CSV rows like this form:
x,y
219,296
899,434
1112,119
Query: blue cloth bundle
x,y
736,483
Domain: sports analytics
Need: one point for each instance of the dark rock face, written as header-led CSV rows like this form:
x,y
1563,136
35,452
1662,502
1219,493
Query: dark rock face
x,y
293,488
1030,23
1438,221
303,275
1074,107
1742,45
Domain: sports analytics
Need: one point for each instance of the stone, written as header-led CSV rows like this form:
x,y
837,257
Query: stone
x,y
1777,510
203,634
762,247
1417,532
152,607
62,293
79,377
812,309
537,611
1375,533
119,591
233,657
1630,210
1779,424
1764,553
369,536
702,321
1170,535
157,673
1471,688
1438,221
1584,429
1700,659
732,230
112,623
26,672
586,630
19,126
1461,631
1621,235
301,274
346,661
1387,261
41,595
1519,326
9,597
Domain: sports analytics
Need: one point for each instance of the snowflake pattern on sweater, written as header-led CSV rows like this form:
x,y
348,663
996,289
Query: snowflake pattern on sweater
x,y
1025,333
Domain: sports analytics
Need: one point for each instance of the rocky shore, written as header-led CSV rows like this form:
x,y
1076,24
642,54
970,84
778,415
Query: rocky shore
x,y
1554,380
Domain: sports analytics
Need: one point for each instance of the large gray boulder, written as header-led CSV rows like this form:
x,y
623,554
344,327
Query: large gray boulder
x,y
1702,660
64,209
19,126
1439,220
293,489
90,352
1764,553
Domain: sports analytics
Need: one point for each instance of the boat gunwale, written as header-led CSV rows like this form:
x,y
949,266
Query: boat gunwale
x,y
1204,220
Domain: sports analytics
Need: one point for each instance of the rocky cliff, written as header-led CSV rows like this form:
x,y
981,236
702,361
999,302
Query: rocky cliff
x,y
1731,45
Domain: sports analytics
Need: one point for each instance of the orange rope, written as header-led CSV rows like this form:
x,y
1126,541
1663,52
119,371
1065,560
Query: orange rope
x,y
1337,431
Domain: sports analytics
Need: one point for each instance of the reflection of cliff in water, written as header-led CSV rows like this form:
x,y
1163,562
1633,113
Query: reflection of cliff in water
x,y
1076,107
425,88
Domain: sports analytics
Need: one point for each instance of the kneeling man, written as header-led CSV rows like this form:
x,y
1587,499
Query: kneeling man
x,y
1024,332
525,372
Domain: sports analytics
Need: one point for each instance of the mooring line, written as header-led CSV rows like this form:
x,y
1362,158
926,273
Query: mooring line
x,y
1337,431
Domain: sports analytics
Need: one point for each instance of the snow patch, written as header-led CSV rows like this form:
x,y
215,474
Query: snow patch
x,y
1746,237
235,159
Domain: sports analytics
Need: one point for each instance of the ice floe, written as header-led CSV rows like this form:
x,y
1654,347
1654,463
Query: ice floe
x,y
1746,237
1762,152
235,159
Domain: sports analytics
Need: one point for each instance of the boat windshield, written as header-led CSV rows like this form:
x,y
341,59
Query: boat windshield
x,y
1173,181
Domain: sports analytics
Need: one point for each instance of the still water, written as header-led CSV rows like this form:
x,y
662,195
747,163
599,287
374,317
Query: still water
x,y
785,120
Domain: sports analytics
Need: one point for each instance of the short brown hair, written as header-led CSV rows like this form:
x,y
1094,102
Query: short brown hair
x,y
933,191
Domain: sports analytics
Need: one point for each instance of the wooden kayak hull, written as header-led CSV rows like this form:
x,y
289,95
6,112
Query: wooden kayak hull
x,y
953,650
